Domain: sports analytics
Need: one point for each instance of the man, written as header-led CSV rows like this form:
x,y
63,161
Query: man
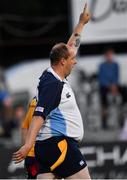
x,y
108,75
31,164
109,81
57,122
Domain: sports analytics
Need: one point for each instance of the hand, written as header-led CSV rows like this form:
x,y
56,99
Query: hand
x,y
84,16
20,155
114,89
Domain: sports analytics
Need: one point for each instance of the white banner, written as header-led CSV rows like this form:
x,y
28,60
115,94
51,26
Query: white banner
x,y
108,20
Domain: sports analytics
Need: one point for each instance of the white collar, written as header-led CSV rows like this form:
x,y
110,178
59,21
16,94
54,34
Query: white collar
x,y
50,69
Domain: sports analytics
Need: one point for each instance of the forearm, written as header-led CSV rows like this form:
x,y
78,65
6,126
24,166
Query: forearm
x,y
24,132
74,40
34,128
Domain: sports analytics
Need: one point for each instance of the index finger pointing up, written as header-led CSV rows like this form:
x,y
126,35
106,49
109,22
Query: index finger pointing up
x,y
85,7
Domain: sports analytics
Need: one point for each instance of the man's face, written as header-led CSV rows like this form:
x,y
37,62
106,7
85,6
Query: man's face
x,y
70,61
109,55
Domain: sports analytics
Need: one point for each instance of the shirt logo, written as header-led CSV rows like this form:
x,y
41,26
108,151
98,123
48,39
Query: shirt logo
x,y
40,109
81,163
68,95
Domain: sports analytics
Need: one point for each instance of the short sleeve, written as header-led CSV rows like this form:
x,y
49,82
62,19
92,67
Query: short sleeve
x,y
48,99
28,117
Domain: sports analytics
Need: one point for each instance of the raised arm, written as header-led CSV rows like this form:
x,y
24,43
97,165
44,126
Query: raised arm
x,y
74,40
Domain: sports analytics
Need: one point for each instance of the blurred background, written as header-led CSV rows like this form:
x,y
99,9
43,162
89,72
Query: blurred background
x,y
28,30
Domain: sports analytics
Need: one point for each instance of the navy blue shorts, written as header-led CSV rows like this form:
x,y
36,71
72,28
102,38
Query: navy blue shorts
x,y
59,155
31,166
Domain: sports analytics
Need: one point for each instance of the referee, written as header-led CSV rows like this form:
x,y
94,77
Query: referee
x,y
57,125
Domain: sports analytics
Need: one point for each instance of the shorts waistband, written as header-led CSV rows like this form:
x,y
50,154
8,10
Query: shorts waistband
x,y
56,139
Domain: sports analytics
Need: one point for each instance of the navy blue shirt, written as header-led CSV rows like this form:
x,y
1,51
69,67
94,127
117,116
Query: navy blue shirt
x,y
108,74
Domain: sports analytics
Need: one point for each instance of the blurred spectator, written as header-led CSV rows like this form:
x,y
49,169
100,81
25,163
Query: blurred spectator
x,y
6,110
19,114
123,134
109,82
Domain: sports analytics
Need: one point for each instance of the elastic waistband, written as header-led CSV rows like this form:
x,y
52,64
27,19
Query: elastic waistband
x,y
56,139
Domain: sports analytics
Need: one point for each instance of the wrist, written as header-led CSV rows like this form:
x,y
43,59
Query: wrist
x,y
27,147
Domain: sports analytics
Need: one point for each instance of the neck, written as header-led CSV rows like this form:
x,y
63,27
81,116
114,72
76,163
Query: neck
x,y
58,71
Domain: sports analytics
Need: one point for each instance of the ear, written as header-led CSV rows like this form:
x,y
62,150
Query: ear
x,y
63,61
